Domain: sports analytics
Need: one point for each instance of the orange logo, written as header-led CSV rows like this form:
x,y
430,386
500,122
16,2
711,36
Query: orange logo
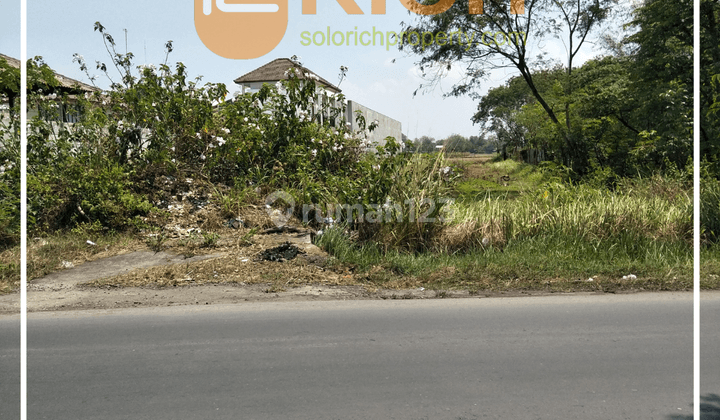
x,y
241,30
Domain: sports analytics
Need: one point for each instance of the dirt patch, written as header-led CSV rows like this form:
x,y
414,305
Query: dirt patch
x,y
229,273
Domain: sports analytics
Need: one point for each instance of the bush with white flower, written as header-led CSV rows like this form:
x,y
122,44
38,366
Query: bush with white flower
x,y
155,123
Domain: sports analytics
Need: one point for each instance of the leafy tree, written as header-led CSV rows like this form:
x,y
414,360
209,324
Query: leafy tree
x,y
40,79
457,143
9,82
710,83
425,144
478,144
661,70
571,20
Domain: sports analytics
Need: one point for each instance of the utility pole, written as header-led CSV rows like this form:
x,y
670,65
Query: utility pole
x,y
125,40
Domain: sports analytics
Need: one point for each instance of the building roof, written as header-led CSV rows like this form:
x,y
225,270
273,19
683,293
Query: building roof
x,y
64,81
275,71
14,62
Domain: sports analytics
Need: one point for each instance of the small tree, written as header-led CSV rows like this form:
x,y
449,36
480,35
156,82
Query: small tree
x,y
515,44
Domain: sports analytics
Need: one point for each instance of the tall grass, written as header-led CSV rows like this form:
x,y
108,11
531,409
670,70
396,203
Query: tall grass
x,y
541,262
560,231
710,209
578,212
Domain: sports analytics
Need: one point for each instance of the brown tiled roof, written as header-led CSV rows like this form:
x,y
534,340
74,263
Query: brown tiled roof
x,y
275,70
64,81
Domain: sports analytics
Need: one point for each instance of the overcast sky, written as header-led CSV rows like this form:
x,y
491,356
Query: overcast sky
x,y
58,29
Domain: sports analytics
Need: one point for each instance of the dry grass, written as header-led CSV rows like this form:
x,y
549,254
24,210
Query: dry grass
x,y
471,234
46,254
9,270
239,267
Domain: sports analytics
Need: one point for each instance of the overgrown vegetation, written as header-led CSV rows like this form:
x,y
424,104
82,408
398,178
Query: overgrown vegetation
x,y
526,229
615,116
610,209
710,142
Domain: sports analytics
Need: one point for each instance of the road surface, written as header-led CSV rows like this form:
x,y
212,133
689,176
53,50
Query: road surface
x,y
559,357
709,356
10,367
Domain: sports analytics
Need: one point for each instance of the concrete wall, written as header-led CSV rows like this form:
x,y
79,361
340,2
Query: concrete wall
x,y
386,125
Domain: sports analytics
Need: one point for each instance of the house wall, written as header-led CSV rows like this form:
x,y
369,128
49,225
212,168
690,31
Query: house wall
x,y
253,87
387,127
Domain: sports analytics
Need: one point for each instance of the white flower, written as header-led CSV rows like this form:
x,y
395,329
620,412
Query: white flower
x,y
221,141
314,152
226,130
202,157
172,148
198,135
245,119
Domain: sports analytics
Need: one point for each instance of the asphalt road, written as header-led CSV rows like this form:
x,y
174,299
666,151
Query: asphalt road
x,y
709,356
10,367
584,357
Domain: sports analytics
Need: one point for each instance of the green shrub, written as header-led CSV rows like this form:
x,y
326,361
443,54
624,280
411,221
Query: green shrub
x,y
9,180
710,209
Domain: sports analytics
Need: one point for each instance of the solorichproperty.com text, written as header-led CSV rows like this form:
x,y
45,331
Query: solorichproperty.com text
x,y
389,39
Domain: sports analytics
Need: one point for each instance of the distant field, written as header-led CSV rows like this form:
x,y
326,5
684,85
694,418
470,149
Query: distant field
x,y
469,158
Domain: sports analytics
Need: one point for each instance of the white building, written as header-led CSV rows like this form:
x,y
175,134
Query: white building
x,y
276,70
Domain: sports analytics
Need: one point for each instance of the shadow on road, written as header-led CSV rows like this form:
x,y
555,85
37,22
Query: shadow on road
x,y
709,409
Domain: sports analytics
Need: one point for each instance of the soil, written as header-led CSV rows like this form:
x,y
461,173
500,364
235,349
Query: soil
x,y
226,274
202,256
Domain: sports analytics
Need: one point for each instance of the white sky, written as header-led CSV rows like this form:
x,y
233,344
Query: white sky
x,y
58,29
